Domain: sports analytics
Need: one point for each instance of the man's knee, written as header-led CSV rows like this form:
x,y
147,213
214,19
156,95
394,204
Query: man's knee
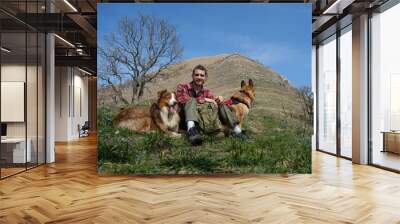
x,y
227,116
190,110
223,107
190,104
192,101
224,110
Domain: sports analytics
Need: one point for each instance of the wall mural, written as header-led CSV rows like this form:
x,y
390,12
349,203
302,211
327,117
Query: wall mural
x,y
204,88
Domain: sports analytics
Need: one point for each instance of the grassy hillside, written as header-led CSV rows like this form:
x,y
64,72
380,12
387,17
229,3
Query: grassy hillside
x,y
279,139
275,145
274,94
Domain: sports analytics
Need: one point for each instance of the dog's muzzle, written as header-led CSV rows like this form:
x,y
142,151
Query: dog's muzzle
x,y
173,107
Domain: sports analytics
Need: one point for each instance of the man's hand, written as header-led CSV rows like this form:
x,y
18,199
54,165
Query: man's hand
x,y
219,99
210,101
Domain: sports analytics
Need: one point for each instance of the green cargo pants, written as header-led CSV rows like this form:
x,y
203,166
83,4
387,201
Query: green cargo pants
x,y
226,116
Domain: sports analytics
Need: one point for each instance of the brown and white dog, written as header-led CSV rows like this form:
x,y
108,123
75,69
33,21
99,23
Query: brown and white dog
x,y
162,115
242,100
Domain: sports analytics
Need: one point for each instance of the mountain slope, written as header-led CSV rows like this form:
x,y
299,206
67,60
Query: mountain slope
x,y
274,93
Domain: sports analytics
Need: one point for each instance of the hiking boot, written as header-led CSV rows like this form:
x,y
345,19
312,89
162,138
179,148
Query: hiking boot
x,y
242,135
194,136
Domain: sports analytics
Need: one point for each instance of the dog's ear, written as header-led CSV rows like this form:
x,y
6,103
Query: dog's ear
x,y
160,93
243,83
251,83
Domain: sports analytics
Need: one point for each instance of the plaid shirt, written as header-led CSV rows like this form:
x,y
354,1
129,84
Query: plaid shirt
x,y
185,91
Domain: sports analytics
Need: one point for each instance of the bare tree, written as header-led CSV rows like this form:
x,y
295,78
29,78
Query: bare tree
x,y
307,99
141,49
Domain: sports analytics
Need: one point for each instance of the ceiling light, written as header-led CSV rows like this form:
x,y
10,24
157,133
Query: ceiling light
x,y
86,72
5,50
70,5
79,51
65,41
338,6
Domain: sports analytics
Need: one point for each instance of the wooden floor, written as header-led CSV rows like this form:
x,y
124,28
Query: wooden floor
x,y
10,171
387,159
70,191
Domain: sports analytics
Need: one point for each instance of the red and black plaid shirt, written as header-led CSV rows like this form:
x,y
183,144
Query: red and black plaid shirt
x,y
185,91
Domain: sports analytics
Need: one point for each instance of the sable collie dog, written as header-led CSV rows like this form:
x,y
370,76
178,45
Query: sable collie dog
x,y
243,99
162,115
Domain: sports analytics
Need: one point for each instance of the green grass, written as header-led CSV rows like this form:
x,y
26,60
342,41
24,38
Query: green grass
x,y
275,145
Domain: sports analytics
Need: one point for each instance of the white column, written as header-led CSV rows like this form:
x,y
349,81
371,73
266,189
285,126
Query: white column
x,y
50,110
360,90
50,93
313,88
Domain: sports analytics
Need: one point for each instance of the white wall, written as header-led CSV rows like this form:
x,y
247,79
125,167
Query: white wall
x,y
80,94
62,81
33,126
13,72
70,83
12,101
10,73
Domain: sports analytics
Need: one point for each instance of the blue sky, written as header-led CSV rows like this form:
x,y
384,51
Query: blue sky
x,y
277,35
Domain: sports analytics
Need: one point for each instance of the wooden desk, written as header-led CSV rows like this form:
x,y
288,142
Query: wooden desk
x,y
391,141
13,150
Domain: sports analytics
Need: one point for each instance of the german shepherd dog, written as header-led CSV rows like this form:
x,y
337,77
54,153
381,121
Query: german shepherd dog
x,y
242,100
162,115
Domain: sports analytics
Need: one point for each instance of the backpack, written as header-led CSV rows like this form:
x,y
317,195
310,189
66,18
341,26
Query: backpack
x,y
209,121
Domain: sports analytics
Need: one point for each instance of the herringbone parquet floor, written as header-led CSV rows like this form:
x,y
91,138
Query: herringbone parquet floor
x,y
70,191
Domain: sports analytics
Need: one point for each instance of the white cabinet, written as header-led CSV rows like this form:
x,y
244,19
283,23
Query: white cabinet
x,y
18,149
